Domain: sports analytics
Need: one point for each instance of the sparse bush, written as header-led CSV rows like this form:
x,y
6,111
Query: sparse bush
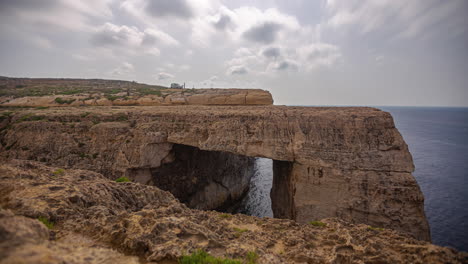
x,y
318,223
226,216
70,92
201,257
123,179
375,228
59,100
149,91
240,231
252,257
59,172
46,222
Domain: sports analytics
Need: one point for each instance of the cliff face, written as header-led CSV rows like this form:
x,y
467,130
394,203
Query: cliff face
x,y
96,220
329,162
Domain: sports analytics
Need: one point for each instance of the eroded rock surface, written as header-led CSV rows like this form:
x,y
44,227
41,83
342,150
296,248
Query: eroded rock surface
x,y
93,214
350,163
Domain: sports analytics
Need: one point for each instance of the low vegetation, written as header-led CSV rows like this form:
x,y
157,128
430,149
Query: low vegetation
x,y
202,257
59,172
318,223
46,222
59,100
226,216
122,179
375,228
252,257
21,87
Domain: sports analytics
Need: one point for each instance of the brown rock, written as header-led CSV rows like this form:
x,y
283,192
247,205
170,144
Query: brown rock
x,y
92,213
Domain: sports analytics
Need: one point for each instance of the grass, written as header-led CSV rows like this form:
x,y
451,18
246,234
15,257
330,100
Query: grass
x,y
58,172
375,228
122,117
46,222
225,216
122,179
318,223
201,257
149,91
239,231
30,117
83,115
252,257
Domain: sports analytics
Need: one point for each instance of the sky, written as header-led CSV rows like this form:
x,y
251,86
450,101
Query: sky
x,y
305,52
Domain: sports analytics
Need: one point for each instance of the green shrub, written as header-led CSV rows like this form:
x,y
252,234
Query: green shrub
x,y
59,172
318,223
149,91
46,222
123,179
252,257
70,92
201,257
59,100
114,91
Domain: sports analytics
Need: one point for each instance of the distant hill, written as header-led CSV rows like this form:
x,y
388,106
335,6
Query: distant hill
x,y
21,87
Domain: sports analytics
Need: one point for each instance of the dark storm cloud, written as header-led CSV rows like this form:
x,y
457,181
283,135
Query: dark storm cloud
x,y
8,5
174,8
223,22
264,33
271,52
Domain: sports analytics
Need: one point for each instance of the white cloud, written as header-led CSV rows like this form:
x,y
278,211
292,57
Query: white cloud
x,y
237,70
131,39
164,76
123,70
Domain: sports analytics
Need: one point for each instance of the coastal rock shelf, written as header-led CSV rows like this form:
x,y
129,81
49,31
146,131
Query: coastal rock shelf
x,y
350,163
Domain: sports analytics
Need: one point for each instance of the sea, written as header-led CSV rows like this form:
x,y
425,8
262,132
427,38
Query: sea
x,y
437,138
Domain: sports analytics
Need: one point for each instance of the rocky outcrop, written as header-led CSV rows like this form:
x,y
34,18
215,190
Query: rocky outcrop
x,y
350,163
97,220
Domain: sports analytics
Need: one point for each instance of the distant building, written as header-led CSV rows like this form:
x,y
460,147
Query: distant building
x,y
177,86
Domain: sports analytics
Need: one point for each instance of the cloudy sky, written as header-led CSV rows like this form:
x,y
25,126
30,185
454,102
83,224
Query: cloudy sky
x,y
323,52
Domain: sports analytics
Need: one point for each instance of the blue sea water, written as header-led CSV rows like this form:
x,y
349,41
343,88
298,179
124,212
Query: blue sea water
x,y
438,141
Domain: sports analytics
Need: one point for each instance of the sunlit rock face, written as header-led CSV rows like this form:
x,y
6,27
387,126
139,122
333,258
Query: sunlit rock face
x,y
349,162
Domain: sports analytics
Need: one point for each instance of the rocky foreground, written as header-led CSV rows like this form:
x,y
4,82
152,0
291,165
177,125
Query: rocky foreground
x,y
92,219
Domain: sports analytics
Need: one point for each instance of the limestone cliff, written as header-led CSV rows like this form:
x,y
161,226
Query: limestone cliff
x,y
92,219
350,163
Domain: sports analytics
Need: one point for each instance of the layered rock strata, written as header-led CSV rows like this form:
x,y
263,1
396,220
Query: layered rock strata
x,y
350,163
96,220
